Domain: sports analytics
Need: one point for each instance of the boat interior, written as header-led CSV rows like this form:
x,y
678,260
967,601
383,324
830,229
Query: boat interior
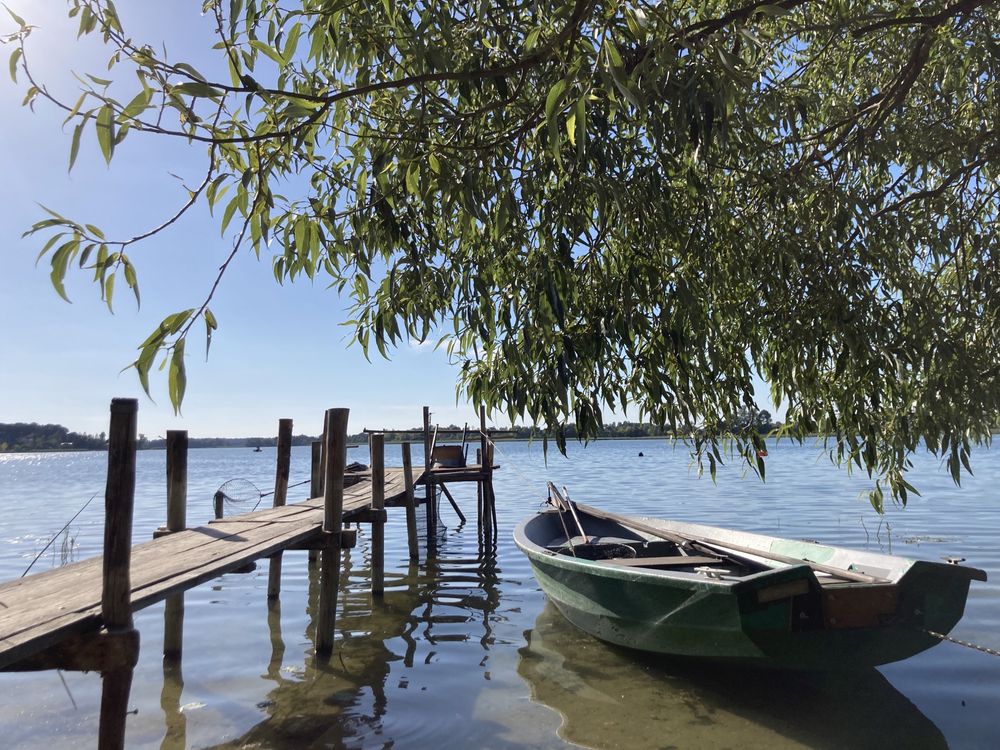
x,y
614,543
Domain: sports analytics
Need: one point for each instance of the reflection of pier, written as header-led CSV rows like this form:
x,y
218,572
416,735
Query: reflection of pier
x,y
79,617
343,702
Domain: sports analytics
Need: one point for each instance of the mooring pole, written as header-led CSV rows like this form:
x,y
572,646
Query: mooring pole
x,y
173,610
116,607
376,442
411,505
280,493
335,435
429,489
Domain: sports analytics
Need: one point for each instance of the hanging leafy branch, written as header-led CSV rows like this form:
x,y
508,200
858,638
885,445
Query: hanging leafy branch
x,y
601,204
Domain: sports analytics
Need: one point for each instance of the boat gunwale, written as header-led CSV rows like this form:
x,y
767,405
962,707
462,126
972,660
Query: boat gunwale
x,y
900,564
535,551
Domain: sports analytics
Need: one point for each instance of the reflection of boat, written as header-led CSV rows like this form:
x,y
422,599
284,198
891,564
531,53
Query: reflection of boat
x,y
610,697
700,591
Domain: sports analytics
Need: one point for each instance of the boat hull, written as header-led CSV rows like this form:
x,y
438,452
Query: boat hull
x,y
762,620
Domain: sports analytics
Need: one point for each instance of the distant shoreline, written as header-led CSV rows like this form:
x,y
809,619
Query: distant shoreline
x,y
50,438
157,446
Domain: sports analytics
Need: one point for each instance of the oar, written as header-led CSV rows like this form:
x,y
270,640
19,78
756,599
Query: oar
x,y
564,502
572,509
849,575
562,520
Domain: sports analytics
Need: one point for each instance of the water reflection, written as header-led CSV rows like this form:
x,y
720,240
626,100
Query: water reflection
x,y
447,602
611,697
175,736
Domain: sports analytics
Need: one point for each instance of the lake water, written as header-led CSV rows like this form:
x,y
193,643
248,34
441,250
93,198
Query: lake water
x,y
464,652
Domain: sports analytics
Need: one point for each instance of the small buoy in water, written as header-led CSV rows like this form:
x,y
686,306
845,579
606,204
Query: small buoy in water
x,y
640,454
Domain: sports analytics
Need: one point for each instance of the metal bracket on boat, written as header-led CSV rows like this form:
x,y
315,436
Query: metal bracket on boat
x,y
716,573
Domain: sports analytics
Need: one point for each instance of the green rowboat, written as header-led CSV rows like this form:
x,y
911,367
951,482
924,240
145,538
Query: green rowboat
x,y
699,591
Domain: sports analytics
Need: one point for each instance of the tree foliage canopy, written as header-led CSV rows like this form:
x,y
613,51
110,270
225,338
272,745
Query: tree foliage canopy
x,y
601,203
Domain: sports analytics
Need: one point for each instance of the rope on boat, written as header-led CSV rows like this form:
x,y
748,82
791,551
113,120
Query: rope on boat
x,y
975,647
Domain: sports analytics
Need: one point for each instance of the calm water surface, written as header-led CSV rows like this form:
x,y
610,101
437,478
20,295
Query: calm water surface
x,y
464,652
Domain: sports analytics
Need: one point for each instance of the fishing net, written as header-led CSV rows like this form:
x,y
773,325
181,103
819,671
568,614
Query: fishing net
x,y
604,551
239,493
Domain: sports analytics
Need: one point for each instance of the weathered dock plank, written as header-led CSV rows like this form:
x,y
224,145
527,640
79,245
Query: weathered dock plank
x,y
40,610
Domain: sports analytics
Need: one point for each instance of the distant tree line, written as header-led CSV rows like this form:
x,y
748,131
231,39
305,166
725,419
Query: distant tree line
x,y
22,437
237,442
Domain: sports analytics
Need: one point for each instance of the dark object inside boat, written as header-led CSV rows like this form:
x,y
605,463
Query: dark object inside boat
x,y
601,551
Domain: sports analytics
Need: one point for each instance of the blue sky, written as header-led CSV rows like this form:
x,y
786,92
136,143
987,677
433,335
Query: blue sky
x,y
279,352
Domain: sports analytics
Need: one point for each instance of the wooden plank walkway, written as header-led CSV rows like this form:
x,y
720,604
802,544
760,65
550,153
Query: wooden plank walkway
x,y
40,610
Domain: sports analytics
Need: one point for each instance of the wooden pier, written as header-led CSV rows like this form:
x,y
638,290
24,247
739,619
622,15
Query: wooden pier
x,y
79,616
41,610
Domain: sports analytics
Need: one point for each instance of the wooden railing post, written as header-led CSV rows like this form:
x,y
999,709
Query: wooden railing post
x,y
280,493
116,606
377,445
411,505
335,434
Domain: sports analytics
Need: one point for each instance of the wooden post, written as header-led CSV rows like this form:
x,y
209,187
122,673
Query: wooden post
x,y
411,508
119,497
116,607
315,482
485,466
335,445
479,491
173,628
486,446
376,443
280,493
489,489
316,470
177,471
173,610
429,489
